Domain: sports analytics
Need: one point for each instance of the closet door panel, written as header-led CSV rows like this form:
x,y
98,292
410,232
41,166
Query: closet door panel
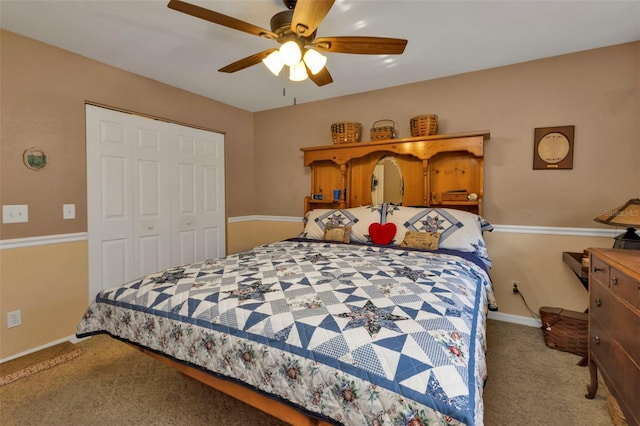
x,y
213,213
185,244
152,200
185,241
186,247
109,200
155,196
115,259
198,222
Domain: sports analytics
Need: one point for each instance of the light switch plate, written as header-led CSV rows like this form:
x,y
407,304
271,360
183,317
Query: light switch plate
x,y
15,213
68,211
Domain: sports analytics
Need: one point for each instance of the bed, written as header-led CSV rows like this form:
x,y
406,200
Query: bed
x,y
372,315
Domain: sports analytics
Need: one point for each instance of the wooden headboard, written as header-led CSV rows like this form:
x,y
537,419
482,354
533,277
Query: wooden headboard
x,y
437,171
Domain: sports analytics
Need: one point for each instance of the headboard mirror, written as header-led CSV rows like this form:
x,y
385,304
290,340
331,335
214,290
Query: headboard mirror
x,y
387,184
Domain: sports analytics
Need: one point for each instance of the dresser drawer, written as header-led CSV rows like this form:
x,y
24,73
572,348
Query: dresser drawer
x,y
625,329
625,287
599,271
601,306
622,373
600,346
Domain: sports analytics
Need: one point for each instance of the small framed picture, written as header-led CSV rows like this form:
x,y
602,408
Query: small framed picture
x,y
553,148
35,159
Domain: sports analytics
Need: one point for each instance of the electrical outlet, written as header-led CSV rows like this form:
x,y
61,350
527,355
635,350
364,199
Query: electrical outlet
x,y
14,318
68,211
515,287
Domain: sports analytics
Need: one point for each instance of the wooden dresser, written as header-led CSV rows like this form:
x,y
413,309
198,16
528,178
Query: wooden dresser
x,y
614,327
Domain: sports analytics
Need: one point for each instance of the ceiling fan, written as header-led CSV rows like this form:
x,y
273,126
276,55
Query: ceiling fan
x,y
295,29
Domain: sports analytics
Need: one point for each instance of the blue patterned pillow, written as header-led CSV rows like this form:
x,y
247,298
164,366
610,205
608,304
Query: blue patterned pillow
x,y
358,218
459,230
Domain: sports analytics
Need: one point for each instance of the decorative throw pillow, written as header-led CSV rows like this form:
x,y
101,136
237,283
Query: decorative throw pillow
x,y
422,240
382,234
358,218
341,234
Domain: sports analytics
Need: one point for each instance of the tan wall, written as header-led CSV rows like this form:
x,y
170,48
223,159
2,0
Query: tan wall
x,y
597,91
535,262
43,95
246,234
49,285
43,90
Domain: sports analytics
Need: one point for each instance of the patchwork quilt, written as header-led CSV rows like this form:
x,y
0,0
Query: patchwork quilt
x,y
352,334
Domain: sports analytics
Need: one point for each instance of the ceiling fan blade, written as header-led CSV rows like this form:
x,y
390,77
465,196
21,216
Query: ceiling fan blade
x,y
308,14
220,19
247,62
361,45
321,78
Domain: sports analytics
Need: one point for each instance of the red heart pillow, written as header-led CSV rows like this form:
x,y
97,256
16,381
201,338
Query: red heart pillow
x,y
382,234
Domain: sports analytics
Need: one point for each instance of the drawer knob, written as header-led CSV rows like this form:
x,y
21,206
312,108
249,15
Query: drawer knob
x,y
596,269
596,340
614,281
598,302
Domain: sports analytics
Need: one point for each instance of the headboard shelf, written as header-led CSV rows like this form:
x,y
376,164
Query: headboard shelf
x,y
429,166
421,147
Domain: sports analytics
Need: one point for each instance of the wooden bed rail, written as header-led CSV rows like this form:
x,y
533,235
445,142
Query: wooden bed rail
x,y
255,399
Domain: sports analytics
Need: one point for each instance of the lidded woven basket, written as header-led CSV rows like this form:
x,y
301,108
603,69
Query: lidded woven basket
x,y
615,412
565,330
424,125
346,132
381,132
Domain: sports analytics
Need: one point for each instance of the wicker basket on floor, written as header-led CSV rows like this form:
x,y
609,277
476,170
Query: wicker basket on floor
x,y
346,132
424,125
617,418
565,330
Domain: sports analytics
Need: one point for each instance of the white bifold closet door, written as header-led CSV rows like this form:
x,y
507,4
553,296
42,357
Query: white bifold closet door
x,y
155,196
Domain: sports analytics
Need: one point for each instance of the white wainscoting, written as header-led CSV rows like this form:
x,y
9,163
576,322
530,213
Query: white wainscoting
x,y
517,229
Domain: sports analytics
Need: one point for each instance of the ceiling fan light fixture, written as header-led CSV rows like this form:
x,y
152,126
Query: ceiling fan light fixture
x,y
290,53
298,72
274,62
314,60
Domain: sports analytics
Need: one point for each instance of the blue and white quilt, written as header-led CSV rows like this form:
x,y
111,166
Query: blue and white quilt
x,y
351,334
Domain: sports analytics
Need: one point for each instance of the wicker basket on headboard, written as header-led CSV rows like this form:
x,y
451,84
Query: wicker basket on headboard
x,y
424,125
346,132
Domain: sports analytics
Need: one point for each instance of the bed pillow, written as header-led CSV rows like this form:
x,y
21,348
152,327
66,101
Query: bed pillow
x,y
458,229
358,218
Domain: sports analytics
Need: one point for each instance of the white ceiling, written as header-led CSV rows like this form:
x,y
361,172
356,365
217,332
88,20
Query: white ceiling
x,y
445,38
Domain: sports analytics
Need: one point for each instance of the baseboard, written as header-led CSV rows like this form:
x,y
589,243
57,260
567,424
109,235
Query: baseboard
x,y
73,339
515,319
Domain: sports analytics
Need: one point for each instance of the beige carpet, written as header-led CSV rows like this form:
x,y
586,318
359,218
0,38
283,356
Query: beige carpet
x,y
39,361
113,384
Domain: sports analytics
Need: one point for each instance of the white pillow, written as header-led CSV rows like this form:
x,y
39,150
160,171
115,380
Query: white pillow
x,y
358,218
459,230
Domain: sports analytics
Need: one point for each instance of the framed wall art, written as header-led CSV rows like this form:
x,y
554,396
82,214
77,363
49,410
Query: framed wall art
x,y
553,148
35,159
